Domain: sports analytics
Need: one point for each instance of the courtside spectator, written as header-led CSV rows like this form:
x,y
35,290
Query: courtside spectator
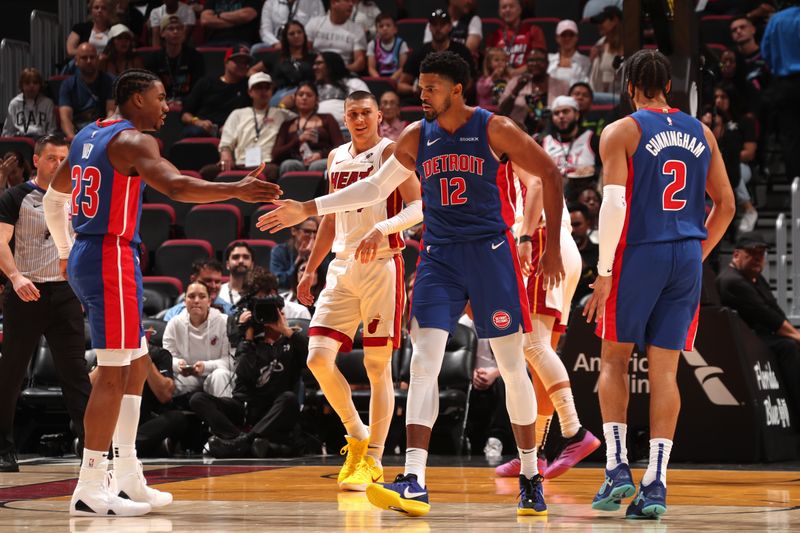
x,y
467,27
213,98
304,142
230,22
337,33
119,55
169,8
568,64
178,65
492,84
334,83
608,47
85,96
514,36
102,16
276,14
209,271
30,113
392,125
239,261
387,53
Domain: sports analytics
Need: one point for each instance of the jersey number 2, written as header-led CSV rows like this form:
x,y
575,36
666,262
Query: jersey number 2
x,y
454,196
87,181
678,183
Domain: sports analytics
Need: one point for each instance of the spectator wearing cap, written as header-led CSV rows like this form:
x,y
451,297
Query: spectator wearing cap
x,y
743,288
178,65
441,26
169,8
277,14
583,94
30,113
119,55
607,48
594,7
336,32
213,98
568,64
573,149
230,22
87,95
249,133
467,28
517,38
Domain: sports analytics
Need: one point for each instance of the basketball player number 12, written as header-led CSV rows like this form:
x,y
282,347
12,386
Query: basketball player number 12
x,y
453,190
678,170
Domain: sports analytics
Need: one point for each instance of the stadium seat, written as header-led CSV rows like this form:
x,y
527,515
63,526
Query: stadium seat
x,y
490,24
23,145
601,111
412,30
281,236
155,226
716,29
175,257
147,53
219,224
53,86
245,208
301,186
153,196
262,250
194,153
154,330
270,57
378,86
167,286
153,302
213,59
411,113
43,390
548,26
560,9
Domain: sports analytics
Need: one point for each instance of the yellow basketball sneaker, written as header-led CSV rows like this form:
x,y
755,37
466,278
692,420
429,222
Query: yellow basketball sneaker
x,y
366,472
355,450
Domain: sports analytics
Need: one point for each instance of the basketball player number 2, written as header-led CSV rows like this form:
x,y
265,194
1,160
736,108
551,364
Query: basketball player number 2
x,y
454,196
678,183
87,181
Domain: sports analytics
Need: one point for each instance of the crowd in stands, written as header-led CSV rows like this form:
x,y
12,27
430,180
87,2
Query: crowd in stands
x,y
275,95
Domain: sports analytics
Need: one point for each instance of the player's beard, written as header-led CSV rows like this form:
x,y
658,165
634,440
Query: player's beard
x,y
433,114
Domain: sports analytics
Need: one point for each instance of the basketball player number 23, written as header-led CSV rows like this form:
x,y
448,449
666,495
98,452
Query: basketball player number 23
x,y
678,171
87,181
453,190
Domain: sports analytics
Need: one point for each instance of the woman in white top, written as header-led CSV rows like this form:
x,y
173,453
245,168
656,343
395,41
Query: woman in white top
x,y
197,338
95,31
568,64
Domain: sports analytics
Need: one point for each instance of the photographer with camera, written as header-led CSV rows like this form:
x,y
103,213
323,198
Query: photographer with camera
x,y
270,358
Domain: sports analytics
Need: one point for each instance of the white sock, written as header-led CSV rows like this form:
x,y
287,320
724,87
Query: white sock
x,y
567,415
659,457
616,449
542,429
416,459
94,460
527,462
356,428
127,426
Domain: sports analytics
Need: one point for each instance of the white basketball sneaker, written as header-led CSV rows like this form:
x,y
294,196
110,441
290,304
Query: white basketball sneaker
x,y
132,485
95,496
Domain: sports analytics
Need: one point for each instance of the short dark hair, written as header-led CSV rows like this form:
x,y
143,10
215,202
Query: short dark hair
x,y
740,16
201,264
383,15
575,206
447,64
648,70
237,244
259,280
361,95
199,282
581,84
56,139
132,81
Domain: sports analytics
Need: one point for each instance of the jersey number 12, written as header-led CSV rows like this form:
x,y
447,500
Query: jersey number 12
x,y
678,171
453,190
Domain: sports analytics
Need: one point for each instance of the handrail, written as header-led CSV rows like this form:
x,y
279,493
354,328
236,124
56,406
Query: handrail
x,y
47,47
14,56
781,253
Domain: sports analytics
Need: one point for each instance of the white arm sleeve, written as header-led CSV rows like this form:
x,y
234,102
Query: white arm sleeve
x,y
610,224
366,192
409,216
56,219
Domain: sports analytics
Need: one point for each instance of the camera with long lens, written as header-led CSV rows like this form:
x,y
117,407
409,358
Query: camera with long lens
x,y
263,311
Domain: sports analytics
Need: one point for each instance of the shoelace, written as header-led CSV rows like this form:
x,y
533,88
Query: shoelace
x,y
350,462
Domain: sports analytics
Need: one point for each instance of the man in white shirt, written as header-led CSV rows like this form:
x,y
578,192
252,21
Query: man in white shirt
x,y
238,261
276,13
249,133
335,32
170,7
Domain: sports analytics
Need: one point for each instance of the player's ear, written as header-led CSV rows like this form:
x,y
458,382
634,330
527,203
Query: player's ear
x,y
669,87
458,89
35,161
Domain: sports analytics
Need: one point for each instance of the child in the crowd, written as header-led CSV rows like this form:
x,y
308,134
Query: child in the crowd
x,y
495,77
387,54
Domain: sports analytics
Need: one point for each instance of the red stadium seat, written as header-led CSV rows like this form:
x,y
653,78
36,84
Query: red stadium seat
x,y
245,208
53,87
155,226
490,25
716,29
213,59
411,113
281,236
412,30
378,86
262,250
166,285
548,26
301,186
23,145
270,57
194,153
219,224
175,257
153,196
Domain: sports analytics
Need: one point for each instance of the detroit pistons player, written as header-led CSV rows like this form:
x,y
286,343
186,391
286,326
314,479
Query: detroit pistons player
x,y
658,165
108,166
468,254
365,284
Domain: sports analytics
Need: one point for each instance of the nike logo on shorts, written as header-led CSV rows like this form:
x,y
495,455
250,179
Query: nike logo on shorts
x,y
498,245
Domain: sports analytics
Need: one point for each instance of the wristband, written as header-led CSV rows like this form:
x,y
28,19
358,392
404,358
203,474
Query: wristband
x,y
525,238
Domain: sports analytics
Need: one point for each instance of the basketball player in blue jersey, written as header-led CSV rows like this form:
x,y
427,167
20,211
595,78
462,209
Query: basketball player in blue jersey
x,y
468,253
103,178
658,165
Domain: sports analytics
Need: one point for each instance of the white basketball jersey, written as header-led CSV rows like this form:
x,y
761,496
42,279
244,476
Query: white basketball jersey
x,y
573,158
352,226
566,220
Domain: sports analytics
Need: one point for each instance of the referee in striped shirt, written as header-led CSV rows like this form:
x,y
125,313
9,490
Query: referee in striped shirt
x,y
41,302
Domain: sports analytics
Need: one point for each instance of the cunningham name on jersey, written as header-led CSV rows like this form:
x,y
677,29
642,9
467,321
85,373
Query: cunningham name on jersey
x,y
663,139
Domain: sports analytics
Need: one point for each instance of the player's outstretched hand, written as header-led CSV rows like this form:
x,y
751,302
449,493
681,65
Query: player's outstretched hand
x,y
368,247
597,302
253,190
525,251
551,269
304,295
289,213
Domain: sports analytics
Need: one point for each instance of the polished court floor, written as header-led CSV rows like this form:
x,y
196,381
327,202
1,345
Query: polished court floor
x,y
301,495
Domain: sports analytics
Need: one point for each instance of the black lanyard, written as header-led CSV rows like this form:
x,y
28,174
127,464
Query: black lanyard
x,y
255,122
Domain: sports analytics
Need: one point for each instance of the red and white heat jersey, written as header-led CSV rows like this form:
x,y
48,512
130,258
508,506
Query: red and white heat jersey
x,y
352,226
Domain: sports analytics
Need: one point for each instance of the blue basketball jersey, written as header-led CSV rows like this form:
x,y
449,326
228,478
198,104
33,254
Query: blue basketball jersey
x,y
104,201
667,179
467,193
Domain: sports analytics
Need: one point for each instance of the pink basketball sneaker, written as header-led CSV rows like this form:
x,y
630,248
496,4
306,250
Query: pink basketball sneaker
x,y
572,452
511,468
